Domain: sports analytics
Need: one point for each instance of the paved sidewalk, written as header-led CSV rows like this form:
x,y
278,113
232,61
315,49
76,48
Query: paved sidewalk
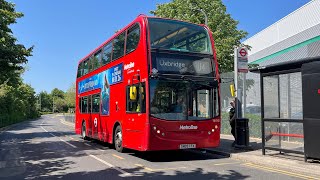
x,y
285,161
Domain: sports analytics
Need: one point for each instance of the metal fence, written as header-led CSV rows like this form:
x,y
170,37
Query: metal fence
x,y
70,117
252,108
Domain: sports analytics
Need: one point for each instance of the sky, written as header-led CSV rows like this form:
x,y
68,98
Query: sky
x,y
62,32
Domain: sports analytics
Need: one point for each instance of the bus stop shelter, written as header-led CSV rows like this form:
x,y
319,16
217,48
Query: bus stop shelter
x,y
290,114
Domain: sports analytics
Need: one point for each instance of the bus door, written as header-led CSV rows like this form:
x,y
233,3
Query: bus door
x,y
89,116
135,116
95,116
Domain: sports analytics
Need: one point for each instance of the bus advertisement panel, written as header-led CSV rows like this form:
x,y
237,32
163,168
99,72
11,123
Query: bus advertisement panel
x,y
102,81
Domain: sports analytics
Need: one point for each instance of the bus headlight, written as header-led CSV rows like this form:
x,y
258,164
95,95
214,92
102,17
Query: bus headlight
x,y
212,130
216,126
158,131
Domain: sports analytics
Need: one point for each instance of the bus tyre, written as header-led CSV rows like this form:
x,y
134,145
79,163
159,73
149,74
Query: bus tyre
x,y
118,139
83,130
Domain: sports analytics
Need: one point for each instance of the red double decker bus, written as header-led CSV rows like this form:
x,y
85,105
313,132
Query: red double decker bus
x,y
154,85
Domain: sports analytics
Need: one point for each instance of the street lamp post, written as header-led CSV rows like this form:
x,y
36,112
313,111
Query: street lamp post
x,y
204,14
52,104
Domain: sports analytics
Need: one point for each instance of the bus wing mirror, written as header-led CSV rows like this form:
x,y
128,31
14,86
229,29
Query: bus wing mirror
x,y
133,93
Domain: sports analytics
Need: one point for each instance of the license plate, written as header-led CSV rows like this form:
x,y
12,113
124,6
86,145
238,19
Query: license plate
x,y
187,146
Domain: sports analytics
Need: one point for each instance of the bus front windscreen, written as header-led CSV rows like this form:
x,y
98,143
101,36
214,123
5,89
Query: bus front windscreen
x,y
178,36
181,100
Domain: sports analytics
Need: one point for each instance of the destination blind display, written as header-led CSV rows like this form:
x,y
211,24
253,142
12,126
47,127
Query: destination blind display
x,y
192,65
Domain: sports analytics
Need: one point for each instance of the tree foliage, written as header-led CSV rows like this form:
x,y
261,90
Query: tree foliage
x,y
57,93
70,96
223,26
12,55
59,100
16,104
17,100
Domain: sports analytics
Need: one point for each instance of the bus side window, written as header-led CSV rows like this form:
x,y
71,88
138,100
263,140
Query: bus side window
x,y
133,38
118,46
80,68
96,60
106,55
90,64
84,104
85,67
137,104
89,104
96,103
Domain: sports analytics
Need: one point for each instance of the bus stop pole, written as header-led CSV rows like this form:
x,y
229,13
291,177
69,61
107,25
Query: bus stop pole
x,y
244,102
236,88
236,80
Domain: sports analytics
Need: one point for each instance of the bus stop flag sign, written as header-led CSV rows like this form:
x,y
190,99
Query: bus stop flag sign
x,y
242,57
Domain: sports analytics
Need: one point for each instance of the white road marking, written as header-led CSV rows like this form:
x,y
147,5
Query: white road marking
x,y
44,129
60,138
52,129
124,173
68,143
111,166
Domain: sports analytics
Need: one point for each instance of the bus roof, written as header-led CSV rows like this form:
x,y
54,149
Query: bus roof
x,y
125,28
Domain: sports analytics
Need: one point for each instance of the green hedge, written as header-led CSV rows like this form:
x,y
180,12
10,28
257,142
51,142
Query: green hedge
x,y
254,124
44,113
17,104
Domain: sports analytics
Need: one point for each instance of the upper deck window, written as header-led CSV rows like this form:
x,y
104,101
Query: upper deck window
x,y
80,70
85,67
106,55
96,60
118,46
133,38
179,36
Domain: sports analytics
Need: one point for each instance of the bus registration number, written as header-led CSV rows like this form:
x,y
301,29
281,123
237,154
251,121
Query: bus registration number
x,y
187,146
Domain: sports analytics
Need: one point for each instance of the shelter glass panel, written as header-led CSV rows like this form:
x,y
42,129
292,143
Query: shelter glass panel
x,y
284,135
271,96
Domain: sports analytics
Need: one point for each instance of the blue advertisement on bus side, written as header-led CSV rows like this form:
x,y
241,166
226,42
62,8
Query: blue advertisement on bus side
x,y
103,80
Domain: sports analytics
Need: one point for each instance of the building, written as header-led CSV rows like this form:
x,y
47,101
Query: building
x,y
294,37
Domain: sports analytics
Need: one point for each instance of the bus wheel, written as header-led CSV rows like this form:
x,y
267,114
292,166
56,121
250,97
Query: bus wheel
x,y
118,139
83,131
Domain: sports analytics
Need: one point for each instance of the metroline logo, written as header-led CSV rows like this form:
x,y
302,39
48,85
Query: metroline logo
x,y
128,66
186,127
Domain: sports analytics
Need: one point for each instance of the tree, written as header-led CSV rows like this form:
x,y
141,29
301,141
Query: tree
x,y
57,93
12,56
17,99
60,105
46,101
70,96
223,26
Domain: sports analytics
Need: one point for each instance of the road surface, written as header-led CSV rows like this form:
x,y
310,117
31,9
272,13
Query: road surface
x,y
48,148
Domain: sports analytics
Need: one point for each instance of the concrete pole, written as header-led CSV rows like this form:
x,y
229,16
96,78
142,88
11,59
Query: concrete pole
x,y
52,104
40,101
